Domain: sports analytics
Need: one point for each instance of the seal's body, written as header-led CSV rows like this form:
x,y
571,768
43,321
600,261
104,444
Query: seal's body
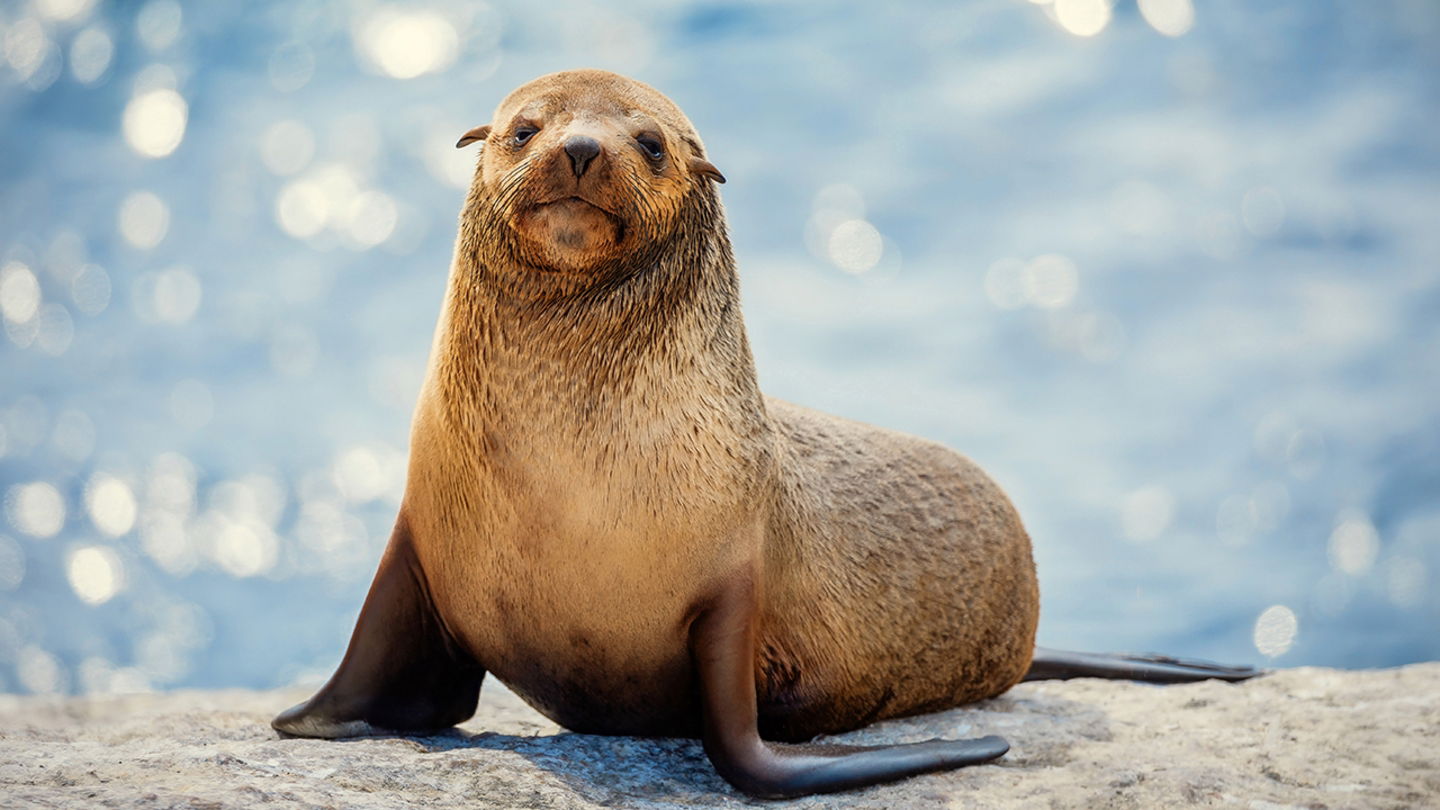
x,y
858,621
604,512
898,579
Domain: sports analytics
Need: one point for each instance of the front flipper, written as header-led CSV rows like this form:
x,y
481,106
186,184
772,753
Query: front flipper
x,y
1153,668
402,672
722,646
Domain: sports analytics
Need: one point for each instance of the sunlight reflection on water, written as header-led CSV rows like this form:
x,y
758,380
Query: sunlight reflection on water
x,y
1167,270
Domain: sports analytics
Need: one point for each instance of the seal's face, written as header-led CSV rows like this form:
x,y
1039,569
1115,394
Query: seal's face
x,y
585,167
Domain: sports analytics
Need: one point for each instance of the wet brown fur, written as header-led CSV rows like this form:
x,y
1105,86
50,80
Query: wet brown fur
x,y
592,458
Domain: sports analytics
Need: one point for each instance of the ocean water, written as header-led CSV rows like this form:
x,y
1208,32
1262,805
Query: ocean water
x,y
1171,272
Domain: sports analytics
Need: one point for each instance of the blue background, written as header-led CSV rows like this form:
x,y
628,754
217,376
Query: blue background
x,y
1179,294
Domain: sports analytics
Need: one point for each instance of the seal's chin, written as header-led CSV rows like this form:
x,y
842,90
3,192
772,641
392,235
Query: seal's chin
x,y
574,232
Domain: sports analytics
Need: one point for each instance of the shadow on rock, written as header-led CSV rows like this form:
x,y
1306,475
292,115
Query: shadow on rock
x,y
600,769
627,770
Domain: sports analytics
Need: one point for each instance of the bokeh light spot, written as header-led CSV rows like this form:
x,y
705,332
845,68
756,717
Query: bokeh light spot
x,y
158,24
169,503
359,475
111,504
55,329
1354,545
1275,631
370,219
245,548
406,43
144,219
90,289
291,67
90,55
1170,17
1051,281
302,209
163,537
176,295
26,46
154,122
21,334
256,497
64,9
340,185
171,484
40,672
337,537
95,574
100,677
36,509
19,293
1083,18
855,246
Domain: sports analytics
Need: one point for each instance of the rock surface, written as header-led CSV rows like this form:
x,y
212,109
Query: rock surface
x,y
1305,738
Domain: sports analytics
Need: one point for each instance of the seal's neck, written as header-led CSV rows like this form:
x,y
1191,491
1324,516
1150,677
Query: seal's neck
x,y
519,347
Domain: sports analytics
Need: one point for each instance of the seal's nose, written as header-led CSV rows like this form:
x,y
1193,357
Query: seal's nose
x,y
581,149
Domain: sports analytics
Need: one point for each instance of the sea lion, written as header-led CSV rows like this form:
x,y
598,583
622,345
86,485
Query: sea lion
x,y
604,512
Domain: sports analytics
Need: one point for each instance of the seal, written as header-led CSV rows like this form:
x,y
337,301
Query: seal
x,y
604,512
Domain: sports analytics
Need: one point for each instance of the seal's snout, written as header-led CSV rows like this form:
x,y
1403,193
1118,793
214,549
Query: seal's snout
x,y
588,171
582,149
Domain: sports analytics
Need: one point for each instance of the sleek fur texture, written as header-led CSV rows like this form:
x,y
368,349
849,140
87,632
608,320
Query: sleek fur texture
x,y
604,512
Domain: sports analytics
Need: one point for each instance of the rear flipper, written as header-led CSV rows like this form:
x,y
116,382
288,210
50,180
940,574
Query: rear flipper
x,y
722,647
1153,668
402,672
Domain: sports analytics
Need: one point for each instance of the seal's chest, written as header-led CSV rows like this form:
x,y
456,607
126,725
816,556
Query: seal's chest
x,y
581,636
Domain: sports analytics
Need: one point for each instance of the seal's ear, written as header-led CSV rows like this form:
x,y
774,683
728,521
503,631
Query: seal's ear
x,y
705,168
476,134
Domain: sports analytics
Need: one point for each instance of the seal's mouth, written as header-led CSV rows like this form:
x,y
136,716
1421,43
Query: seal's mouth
x,y
579,207
573,223
572,201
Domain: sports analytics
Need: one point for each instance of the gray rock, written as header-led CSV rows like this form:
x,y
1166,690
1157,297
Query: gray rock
x,y
1300,738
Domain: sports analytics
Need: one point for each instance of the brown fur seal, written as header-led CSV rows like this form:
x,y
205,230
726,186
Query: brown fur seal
x,y
604,512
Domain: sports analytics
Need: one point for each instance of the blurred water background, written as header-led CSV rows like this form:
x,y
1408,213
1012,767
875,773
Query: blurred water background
x,y
1170,272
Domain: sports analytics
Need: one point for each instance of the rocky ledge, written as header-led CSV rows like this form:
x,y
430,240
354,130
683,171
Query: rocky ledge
x,y
1303,738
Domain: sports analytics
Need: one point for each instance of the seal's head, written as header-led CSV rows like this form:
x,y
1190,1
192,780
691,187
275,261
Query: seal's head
x,y
584,168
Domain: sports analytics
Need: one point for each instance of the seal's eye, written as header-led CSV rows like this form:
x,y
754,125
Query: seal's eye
x,y
651,145
523,134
